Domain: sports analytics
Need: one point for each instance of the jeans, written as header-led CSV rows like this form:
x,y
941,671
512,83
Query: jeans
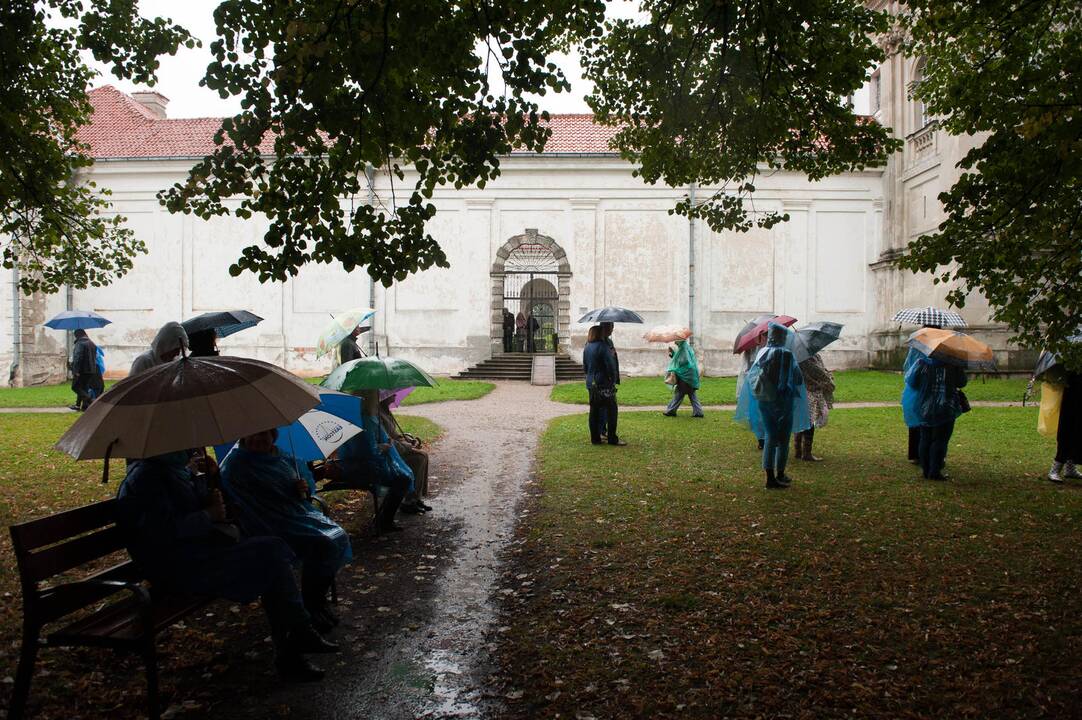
x,y
776,446
933,448
678,398
914,443
602,417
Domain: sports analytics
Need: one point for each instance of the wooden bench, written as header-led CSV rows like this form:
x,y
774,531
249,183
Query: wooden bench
x,y
122,611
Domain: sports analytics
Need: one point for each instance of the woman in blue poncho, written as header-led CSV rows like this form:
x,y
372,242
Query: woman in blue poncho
x,y
271,497
745,414
777,396
685,367
932,401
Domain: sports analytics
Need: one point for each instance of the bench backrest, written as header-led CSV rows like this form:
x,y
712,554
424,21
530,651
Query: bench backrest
x,y
52,545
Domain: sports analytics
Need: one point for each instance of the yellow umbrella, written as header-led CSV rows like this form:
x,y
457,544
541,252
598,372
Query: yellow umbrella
x,y
340,327
953,348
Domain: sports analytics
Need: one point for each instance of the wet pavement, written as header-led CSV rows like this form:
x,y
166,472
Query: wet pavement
x,y
417,606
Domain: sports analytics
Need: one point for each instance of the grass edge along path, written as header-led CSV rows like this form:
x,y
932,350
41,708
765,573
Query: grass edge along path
x,y
852,386
60,396
662,580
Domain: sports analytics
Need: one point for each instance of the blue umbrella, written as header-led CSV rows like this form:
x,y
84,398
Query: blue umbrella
x,y
77,320
317,433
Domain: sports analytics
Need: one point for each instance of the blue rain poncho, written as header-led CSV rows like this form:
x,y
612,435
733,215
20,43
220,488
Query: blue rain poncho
x,y
931,390
160,511
684,364
775,391
361,455
263,487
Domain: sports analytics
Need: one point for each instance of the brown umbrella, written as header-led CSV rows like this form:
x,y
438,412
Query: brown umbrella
x,y
953,348
667,333
188,403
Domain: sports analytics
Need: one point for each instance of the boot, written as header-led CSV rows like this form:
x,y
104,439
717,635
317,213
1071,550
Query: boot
x,y
1056,473
1070,471
305,639
809,437
798,445
772,483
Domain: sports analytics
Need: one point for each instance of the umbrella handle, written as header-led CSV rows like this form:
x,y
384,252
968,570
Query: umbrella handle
x,y
105,467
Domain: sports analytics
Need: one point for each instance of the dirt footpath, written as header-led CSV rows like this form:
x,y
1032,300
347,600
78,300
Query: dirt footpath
x,y
416,606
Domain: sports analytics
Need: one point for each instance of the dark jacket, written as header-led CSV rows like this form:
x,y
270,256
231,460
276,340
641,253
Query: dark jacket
x,y
84,357
599,362
348,350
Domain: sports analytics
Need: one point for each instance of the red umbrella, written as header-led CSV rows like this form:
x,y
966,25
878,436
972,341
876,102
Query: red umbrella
x,y
748,338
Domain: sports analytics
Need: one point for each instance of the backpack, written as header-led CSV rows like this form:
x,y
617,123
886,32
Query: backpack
x,y
99,358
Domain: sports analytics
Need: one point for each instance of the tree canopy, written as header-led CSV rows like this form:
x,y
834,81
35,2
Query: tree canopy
x,y
52,228
714,92
1011,73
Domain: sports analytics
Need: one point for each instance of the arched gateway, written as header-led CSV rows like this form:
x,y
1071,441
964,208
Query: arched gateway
x,y
531,276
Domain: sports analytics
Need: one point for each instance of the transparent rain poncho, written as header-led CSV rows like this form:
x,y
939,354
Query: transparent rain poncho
x,y
774,389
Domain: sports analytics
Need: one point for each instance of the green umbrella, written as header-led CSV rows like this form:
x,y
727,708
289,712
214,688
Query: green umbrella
x,y
376,373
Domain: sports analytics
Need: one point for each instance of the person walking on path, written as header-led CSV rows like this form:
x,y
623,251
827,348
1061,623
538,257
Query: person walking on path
x,y
165,347
684,367
934,400
820,386
508,329
780,400
86,378
1068,431
348,348
599,363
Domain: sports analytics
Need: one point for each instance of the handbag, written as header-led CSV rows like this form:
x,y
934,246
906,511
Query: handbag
x,y
670,378
963,402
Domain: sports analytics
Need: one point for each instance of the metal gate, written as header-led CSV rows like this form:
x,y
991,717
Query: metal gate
x,y
531,297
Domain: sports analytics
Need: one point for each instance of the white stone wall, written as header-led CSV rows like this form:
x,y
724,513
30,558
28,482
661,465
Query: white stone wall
x,y
622,246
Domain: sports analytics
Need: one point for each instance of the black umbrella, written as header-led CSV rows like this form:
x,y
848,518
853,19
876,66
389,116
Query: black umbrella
x,y
223,323
813,337
611,314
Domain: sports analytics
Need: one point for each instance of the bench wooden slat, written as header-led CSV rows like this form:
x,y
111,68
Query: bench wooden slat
x,y
56,602
34,534
54,560
120,623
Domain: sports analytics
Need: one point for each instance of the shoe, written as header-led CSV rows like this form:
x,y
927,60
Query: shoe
x,y
410,509
76,408
785,481
604,437
322,624
915,461
424,506
1070,471
941,477
391,527
1056,473
775,485
618,443
296,668
306,640
761,444
669,414
698,416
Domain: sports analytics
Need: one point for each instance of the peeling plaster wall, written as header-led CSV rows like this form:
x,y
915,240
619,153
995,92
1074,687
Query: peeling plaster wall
x,y
620,243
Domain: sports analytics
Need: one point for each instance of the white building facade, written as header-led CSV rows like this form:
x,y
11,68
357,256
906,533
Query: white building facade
x,y
558,234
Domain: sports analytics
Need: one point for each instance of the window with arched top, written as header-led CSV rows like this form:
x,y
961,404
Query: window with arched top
x,y
920,112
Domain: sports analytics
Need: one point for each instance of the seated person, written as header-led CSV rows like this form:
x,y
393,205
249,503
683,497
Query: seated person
x,y
409,448
369,457
271,493
177,533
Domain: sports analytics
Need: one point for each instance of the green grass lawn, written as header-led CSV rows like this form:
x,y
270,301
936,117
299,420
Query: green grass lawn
x,y
662,579
852,386
62,396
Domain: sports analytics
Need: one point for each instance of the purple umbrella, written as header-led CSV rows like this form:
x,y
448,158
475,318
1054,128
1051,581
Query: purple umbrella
x,y
398,395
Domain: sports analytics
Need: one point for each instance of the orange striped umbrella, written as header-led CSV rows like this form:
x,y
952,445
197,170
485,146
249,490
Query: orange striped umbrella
x,y
953,348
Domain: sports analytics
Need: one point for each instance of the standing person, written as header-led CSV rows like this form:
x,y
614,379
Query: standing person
x,y
177,533
520,331
203,343
685,366
820,386
606,329
746,413
86,379
272,494
1068,432
935,401
532,326
165,347
348,348
601,373
912,420
777,388
508,329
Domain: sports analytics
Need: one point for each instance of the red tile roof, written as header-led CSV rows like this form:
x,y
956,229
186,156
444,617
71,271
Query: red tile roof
x,y
122,128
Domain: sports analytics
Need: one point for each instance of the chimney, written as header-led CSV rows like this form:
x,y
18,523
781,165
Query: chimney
x,y
155,102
